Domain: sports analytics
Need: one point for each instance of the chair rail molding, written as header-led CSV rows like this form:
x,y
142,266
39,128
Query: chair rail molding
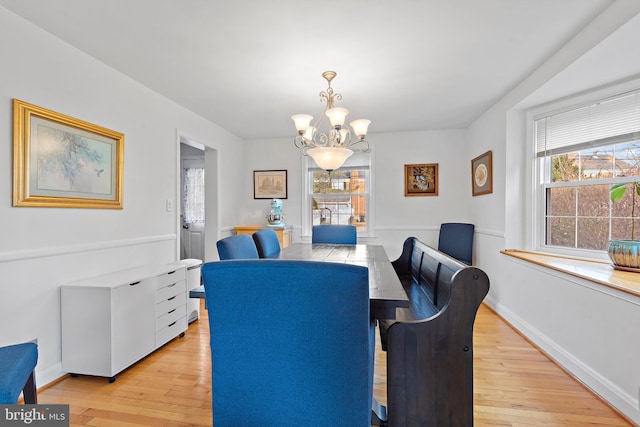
x,y
10,256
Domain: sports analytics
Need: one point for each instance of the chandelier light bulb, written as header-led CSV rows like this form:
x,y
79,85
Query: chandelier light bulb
x,y
308,134
344,132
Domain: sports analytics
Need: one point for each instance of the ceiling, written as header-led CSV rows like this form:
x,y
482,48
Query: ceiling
x,y
248,65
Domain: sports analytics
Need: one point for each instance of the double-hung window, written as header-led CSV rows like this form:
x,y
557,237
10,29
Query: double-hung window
x,y
342,196
581,151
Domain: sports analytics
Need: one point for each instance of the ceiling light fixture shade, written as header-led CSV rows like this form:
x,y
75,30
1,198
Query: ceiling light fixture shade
x,y
337,116
331,147
360,127
329,158
302,121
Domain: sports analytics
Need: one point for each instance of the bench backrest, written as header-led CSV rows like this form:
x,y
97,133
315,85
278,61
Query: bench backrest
x,y
430,359
427,271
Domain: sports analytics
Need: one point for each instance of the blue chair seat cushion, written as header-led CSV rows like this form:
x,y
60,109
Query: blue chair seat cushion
x,y
17,362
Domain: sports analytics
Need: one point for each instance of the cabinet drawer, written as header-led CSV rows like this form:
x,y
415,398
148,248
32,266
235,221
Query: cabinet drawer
x,y
171,331
170,303
170,291
170,278
170,317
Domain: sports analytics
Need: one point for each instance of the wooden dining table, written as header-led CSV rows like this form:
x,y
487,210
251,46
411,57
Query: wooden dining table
x,y
385,290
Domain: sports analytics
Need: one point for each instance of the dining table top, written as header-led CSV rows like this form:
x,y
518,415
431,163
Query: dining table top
x,y
385,290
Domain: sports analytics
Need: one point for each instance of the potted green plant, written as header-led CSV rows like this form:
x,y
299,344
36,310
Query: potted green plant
x,y
625,254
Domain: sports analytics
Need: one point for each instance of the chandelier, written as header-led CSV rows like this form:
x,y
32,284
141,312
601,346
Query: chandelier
x,y
330,144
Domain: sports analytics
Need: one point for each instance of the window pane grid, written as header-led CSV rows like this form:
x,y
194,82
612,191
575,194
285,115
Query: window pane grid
x,y
578,211
340,197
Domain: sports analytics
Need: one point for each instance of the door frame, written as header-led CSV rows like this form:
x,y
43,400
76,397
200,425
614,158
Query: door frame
x,y
212,217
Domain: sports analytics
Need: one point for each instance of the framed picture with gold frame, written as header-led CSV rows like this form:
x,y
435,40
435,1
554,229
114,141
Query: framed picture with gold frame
x,y
63,162
482,174
421,180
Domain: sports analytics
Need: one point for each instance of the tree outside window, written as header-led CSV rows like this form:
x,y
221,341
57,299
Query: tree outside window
x,y
579,213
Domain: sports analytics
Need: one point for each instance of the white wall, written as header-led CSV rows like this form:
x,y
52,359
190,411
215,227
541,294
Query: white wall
x,y
42,248
589,329
271,154
396,216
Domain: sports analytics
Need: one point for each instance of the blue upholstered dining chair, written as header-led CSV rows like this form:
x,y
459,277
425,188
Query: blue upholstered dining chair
x,y
267,243
456,240
238,246
17,365
334,234
292,343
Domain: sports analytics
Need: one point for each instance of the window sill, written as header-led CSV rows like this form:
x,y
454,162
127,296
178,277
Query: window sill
x,y
595,271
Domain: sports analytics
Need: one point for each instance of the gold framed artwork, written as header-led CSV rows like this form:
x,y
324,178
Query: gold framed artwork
x,y
63,162
482,174
270,184
421,180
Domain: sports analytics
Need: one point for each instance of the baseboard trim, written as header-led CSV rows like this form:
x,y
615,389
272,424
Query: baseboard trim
x,y
617,399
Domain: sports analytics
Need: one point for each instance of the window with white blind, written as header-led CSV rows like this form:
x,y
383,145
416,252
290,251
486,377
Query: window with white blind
x,y
580,152
340,197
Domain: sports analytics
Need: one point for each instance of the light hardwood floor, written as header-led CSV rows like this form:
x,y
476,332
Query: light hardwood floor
x,y
514,385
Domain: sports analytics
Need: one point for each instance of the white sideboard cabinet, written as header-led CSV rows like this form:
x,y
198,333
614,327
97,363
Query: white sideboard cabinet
x,y
110,322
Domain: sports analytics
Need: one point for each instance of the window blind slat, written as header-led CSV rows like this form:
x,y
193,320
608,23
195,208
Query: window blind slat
x,y
618,139
589,126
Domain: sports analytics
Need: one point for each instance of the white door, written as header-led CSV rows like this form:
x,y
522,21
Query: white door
x,y
193,240
193,201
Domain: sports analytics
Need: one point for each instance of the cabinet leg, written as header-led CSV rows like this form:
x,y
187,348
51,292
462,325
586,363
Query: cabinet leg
x,y
112,379
181,334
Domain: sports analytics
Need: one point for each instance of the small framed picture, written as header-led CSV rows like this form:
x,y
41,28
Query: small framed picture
x,y
421,180
271,184
481,175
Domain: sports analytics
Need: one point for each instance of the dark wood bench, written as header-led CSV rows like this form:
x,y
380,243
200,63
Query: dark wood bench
x,y
430,344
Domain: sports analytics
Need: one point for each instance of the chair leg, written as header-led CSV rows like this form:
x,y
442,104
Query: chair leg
x,y
378,414
29,390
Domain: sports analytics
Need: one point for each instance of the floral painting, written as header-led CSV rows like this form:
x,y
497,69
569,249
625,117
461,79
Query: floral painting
x,y
60,161
70,162
421,179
